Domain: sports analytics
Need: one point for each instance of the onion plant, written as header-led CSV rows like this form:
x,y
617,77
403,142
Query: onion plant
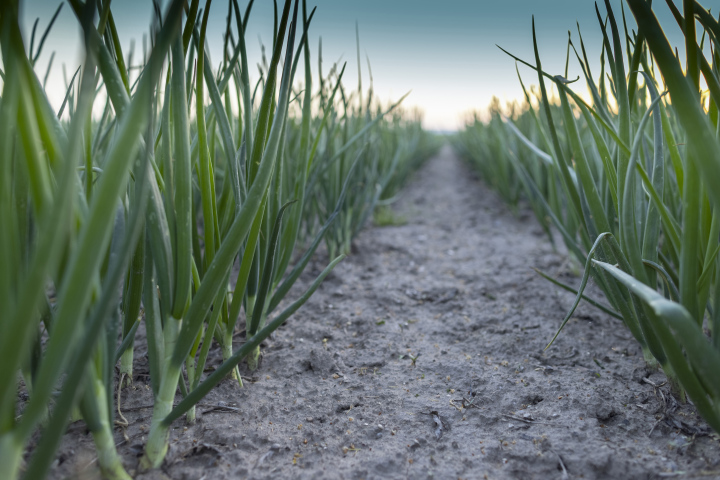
x,y
191,318
64,248
367,153
627,181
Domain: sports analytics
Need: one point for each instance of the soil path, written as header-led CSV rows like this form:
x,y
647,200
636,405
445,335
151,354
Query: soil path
x,y
421,356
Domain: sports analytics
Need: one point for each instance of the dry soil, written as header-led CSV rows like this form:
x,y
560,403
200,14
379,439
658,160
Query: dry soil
x,y
421,356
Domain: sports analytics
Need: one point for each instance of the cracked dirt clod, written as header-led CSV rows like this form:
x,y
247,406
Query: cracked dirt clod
x,y
516,413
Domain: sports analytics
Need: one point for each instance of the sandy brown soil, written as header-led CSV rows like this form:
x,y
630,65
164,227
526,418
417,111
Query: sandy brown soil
x,y
421,356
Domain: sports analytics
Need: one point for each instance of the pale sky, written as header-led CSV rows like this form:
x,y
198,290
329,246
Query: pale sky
x,y
443,51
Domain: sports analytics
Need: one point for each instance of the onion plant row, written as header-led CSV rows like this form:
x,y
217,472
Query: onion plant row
x,y
371,175
627,180
181,210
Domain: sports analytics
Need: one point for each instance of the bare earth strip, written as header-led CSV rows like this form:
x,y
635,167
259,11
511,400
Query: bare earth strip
x,y
421,356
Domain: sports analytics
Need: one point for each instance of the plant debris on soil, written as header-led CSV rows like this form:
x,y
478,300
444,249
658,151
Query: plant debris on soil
x,y
421,356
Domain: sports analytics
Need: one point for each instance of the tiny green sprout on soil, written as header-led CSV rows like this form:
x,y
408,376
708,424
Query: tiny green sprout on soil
x,y
413,359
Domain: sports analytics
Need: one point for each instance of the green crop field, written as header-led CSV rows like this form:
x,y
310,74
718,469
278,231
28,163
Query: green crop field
x,y
162,220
